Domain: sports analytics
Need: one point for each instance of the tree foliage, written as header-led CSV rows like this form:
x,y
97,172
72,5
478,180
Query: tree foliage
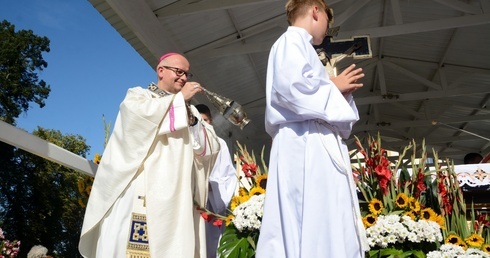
x,y
40,198
20,60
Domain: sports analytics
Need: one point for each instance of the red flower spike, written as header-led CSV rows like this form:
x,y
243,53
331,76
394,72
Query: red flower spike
x,y
420,184
206,216
218,223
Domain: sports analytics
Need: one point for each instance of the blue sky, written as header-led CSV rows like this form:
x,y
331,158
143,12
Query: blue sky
x,y
90,67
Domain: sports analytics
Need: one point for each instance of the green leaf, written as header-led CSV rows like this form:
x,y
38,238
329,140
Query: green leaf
x,y
373,253
233,244
418,254
390,251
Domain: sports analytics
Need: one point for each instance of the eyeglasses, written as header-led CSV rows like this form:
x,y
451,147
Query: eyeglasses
x,y
179,72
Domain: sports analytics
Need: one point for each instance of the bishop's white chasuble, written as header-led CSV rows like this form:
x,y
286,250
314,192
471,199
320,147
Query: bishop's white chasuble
x,y
152,171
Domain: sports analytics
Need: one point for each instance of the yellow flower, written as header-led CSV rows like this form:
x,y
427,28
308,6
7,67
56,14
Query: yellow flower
x,y
375,206
428,214
369,220
261,181
228,219
486,248
440,220
235,201
88,189
474,240
411,214
81,186
453,239
401,200
80,201
242,191
97,158
89,180
463,245
256,191
414,204
243,198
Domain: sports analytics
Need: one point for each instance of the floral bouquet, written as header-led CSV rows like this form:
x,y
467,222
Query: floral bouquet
x,y
245,217
408,212
8,249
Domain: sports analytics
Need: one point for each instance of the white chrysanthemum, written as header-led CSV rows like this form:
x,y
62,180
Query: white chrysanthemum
x,y
473,252
248,215
450,251
392,229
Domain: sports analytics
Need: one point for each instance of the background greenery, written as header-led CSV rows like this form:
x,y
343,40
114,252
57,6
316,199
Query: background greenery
x,y
38,198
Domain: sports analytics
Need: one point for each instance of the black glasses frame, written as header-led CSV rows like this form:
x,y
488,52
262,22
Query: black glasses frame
x,y
179,72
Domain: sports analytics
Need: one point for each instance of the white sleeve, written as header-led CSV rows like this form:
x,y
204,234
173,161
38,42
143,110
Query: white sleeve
x,y
222,180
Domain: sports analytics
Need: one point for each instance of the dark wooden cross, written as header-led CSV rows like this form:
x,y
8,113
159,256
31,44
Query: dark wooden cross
x,y
330,51
357,47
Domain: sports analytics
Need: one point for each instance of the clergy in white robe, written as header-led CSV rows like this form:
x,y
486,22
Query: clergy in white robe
x,y
311,207
152,174
222,184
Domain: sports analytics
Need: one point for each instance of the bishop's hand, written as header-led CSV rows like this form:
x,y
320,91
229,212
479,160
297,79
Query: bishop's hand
x,y
190,89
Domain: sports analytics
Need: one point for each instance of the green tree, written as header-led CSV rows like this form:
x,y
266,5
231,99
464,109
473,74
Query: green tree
x,y
41,204
20,60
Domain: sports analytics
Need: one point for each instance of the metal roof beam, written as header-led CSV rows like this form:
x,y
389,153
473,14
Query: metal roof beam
x,y
460,6
412,75
186,7
417,27
347,14
422,95
141,20
421,123
397,14
232,38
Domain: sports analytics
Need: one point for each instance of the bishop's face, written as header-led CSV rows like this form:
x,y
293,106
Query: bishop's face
x,y
173,73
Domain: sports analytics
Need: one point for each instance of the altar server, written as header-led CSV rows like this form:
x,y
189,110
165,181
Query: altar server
x,y
311,207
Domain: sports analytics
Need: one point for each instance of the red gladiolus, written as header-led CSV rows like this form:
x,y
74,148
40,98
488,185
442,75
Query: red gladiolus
x,y
246,170
370,162
206,216
218,223
245,167
249,169
481,221
384,175
446,203
253,167
384,161
420,184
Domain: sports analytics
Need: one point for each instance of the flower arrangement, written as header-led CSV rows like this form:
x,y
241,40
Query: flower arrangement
x,y
245,217
8,249
410,212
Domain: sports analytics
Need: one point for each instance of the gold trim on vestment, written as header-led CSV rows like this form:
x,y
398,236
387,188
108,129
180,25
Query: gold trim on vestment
x,y
138,246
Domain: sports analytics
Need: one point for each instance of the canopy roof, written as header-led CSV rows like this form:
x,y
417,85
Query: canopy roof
x,y
428,76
